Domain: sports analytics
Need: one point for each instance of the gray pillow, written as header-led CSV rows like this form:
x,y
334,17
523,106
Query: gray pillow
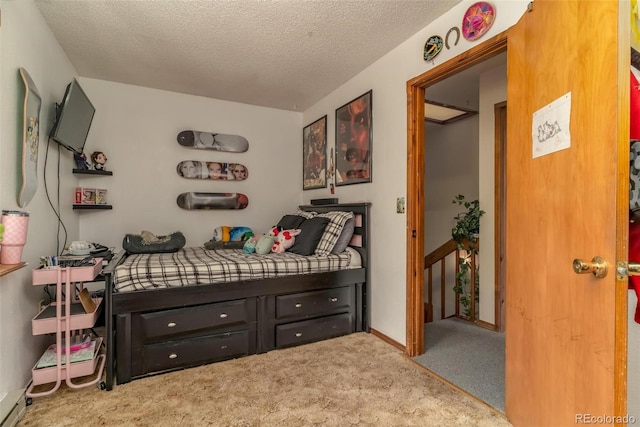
x,y
337,220
312,230
345,236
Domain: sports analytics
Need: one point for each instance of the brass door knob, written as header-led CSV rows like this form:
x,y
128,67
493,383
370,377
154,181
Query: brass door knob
x,y
597,266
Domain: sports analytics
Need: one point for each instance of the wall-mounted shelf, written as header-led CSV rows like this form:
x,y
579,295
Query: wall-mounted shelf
x,y
8,268
91,172
92,207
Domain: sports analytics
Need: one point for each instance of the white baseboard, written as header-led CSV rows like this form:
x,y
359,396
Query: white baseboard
x,y
12,408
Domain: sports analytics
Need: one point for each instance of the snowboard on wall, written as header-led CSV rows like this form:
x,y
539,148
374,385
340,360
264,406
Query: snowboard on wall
x,y
213,141
220,171
197,201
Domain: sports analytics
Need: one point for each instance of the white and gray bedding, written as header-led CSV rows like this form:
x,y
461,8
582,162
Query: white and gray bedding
x,y
196,266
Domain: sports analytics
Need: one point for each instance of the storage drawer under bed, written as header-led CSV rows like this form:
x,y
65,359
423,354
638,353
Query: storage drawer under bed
x,y
189,320
314,303
306,331
195,351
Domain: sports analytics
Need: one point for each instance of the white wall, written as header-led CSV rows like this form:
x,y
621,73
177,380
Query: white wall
x,y
451,168
493,90
136,128
27,42
387,78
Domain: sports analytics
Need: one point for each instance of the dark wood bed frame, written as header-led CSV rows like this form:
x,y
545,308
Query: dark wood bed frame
x,y
161,330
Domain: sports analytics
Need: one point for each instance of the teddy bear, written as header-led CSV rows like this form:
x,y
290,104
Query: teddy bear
x,y
284,240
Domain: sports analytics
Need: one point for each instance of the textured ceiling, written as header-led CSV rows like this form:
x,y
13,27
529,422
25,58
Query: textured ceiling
x,y
285,54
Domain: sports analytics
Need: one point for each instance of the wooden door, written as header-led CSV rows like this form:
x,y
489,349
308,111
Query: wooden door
x,y
566,333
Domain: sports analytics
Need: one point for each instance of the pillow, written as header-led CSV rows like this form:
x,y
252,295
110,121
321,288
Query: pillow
x,y
147,243
345,236
290,222
306,214
332,232
311,230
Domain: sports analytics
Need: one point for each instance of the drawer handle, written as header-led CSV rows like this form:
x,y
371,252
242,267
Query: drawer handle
x,y
171,324
223,315
334,299
298,334
173,356
298,305
223,347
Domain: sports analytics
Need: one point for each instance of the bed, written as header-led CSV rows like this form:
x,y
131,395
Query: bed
x,y
171,311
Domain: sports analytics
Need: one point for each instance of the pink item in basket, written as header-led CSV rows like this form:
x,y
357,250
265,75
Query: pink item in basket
x,y
14,237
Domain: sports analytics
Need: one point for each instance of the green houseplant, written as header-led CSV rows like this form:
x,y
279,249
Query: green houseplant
x,y
465,232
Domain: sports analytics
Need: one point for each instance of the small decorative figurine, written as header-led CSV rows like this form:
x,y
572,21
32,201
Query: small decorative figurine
x,y
99,160
81,161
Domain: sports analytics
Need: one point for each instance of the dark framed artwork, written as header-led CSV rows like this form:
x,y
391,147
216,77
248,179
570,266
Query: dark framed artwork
x,y
353,141
314,155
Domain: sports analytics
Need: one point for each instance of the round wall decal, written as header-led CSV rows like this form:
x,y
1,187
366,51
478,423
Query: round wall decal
x,y
477,20
432,47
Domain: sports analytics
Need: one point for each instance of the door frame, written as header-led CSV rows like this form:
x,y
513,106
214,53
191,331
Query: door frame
x,y
500,188
415,179
415,199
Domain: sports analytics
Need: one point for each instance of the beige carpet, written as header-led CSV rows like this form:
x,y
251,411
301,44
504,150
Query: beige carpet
x,y
352,380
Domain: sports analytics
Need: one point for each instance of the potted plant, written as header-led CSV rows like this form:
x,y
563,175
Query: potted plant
x,y
465,232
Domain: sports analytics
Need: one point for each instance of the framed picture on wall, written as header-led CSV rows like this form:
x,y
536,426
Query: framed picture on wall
x,y
314,155
353,141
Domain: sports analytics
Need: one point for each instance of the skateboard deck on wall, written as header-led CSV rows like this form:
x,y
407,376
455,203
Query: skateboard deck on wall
x,y
197,201
30,139
213,141
220,171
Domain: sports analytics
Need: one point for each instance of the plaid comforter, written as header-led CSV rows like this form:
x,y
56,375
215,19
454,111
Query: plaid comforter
x,y
197,266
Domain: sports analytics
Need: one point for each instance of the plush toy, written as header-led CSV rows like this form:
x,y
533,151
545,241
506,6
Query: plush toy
x,y
250,245
262,245
284,240
231,234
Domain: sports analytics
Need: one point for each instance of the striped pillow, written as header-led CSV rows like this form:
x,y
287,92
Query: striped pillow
x,y
332,232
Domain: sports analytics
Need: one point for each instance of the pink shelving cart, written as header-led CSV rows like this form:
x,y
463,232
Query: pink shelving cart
x,y
67,318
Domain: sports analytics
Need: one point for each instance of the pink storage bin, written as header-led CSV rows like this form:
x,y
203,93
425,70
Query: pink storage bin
x,y
48,276
43,323
77,369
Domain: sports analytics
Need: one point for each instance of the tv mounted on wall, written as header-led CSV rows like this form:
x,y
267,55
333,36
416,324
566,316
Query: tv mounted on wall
x,y
73,119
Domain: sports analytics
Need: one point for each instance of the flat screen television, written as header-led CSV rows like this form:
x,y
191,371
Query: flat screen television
x,y
73,118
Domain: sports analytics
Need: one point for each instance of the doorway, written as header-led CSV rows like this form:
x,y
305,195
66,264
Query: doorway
x,y
466,157
416,89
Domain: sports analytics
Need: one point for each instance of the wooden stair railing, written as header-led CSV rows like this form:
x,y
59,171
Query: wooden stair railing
x,y
439,255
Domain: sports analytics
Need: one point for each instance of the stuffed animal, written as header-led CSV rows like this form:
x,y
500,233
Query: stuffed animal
x,y
262,245
250,245
284,240
231,234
